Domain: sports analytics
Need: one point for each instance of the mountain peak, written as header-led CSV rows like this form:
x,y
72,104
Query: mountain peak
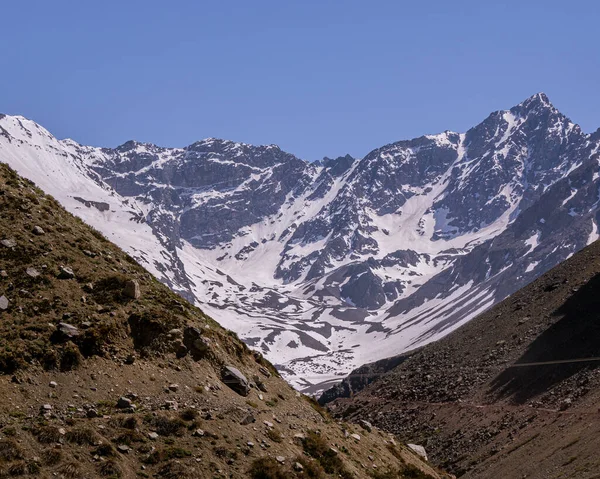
x,y
539,100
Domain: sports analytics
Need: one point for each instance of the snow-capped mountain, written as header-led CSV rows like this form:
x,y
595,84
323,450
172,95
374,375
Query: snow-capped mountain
x,y
325,266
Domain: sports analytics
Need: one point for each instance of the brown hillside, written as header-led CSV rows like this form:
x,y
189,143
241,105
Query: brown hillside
x,y
97,381
514,393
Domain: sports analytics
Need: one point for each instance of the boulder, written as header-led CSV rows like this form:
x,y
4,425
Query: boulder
x,y
64,332
233,378
65,273
420,450
124,403
195,342
32,272
248,419
132,289
3,303
37,230
366,425
8,243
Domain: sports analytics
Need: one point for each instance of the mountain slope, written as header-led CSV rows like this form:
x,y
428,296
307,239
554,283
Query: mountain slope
x,y
326,266
513,393
105,372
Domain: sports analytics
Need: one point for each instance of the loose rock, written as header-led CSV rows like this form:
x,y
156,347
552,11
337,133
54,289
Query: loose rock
x,y
132,289
124,403
8,243
233,378
32,272
65,273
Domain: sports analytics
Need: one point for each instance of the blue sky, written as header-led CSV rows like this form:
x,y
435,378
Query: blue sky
x,y
319,78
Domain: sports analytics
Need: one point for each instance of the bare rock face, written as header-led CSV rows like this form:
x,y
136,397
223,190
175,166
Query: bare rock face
x,y
132,289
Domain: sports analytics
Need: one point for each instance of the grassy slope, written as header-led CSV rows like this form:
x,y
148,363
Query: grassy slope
x,y
128,347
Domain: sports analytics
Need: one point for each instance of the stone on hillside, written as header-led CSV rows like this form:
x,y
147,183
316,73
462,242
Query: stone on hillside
x,y
198,433
172,405
65,273
233,378
264,371
355,436
248,419
89,253
123,448
8,243
195,342
366,425
153,436
53,384
132,289
45,409
92,413
32,272
3,303
280,459
298,467
124,403
37,230
3,274
174,387
420,450
65,331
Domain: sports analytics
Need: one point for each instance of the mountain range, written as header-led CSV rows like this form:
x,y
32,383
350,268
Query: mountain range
x,y
328,265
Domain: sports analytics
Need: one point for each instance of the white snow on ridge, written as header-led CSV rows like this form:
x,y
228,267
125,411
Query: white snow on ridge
x,y
310,329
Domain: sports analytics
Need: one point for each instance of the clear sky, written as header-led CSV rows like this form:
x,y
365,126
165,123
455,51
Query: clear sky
x,y
317,77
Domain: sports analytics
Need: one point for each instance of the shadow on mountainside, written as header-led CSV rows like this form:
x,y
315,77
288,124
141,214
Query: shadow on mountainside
x,y
576,335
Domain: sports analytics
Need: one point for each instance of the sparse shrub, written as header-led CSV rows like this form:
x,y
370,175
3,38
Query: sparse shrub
x,y
176,470
311,469
176,453
70,357
47,434
267,468
165,426
274,435
17,469
81,436
51,457
10,450
411,471
110,468
188,414
105,450
125,422
129,437
316,446
70,470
